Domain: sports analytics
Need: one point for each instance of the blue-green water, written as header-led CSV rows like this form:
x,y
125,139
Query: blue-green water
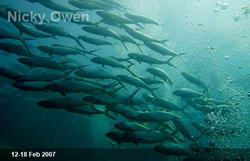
x,y
214,40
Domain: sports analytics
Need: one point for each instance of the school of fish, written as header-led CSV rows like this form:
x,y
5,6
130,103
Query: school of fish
x,y
141,115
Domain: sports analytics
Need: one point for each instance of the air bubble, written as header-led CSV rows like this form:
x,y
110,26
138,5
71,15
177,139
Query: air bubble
x,y
224,6
218,3
236,17
216,10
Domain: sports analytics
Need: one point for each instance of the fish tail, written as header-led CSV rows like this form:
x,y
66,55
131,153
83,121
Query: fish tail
x,y
54,37
132,73
184,107
118,89
206,92
130,64
79,38
79,43
128,61
180,54
137,24
103,112
195,139
97,23
112,44
82,66
133,94
124,45
109,108
27,47
122,85
168,81
139,47
92,51
164,41
169,62
165,84
152,91
27,39
156,23
167,134
69,72
185,113
24,43
112,84
109,116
